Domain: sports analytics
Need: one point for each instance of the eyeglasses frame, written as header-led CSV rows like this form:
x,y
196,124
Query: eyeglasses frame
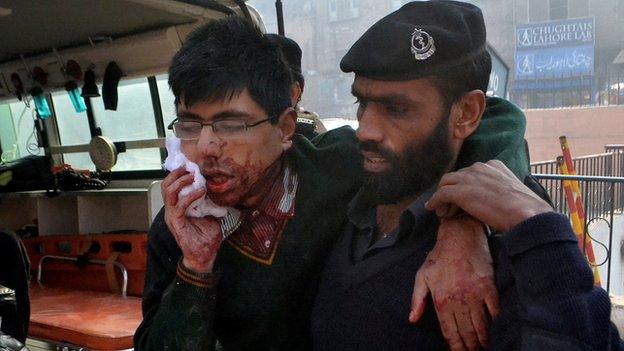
x,y
211,124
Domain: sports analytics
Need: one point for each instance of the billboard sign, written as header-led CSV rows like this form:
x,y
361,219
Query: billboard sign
x,y
498,76
555,49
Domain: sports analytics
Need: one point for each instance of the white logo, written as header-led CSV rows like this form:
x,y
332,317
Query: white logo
x,y
526,65
524,37
423,46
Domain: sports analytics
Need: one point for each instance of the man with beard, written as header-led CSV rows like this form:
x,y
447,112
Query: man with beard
x,y
420,79
255,289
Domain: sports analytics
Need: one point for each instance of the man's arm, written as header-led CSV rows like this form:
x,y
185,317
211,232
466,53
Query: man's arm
x,y
549,300
458,272
178,311
548,296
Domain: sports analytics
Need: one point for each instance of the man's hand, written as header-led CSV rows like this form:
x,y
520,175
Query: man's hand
x,y
490,192
198,238
458,273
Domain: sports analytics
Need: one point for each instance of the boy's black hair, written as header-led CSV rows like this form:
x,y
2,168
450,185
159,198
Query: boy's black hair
x,y
225,57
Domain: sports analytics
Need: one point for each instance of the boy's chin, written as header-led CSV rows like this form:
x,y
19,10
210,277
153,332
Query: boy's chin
x,y
225,200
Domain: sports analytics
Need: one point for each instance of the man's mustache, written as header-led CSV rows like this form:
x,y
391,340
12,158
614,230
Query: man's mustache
x,y
376,148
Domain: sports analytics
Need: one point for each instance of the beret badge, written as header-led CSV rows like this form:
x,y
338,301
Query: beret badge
x,y
423,45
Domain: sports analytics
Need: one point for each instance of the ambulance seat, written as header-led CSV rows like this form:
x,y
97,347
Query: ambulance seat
x,y
71,298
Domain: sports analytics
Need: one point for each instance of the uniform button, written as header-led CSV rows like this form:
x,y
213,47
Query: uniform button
x,y
255,213
267,243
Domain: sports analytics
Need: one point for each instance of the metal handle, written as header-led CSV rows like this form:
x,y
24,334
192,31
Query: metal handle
x,y
122,269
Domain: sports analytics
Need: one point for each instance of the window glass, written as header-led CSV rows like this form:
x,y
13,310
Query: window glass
x,y
134,117
138,159
73,126
340,10
558,9
133,120
73,129
25,140
167,104
8,140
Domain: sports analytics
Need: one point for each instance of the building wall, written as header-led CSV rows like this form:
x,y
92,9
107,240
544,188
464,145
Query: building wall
x,y
588,130
538,10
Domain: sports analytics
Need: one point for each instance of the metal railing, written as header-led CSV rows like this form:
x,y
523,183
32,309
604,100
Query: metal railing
x,y
601,205
608,164
121,267
601,180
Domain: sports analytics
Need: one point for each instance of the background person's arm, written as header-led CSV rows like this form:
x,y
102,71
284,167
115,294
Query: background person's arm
x,y
548,297
548,300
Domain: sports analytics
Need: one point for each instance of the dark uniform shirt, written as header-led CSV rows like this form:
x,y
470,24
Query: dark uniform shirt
x,y
364,297
362,214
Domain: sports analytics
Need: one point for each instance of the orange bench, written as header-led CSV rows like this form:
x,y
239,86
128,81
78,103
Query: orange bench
x,y
74,305
92,319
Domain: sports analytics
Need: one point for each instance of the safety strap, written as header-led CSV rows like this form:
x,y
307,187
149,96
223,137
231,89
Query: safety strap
x,y
86,245
84,251
113,284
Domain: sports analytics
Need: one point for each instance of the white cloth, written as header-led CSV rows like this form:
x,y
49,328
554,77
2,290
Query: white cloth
x,y
203,206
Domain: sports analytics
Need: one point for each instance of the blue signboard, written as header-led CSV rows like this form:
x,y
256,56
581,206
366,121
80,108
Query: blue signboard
x,y
555,63
548,50
572,32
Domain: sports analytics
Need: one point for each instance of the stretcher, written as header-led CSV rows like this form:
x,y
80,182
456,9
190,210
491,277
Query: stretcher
x,y
72,305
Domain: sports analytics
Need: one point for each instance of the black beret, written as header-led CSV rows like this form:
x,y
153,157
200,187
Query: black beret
x,y
291,51
419,39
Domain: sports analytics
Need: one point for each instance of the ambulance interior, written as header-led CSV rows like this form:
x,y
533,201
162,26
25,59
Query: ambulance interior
x,y
83,83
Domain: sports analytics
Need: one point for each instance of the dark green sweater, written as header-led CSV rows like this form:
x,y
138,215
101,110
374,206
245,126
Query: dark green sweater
x,y
260,307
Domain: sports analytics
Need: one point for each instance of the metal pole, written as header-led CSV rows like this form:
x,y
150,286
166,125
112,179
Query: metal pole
x,y
280,17
585,220
582,90
93,128
608,88
158,115
618,87
562,92
610,238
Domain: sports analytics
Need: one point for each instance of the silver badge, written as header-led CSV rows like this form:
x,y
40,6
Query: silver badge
x,y
423,46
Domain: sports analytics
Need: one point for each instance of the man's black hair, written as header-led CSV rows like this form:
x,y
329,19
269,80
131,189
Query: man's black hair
x,y
225,57
292,54
455,82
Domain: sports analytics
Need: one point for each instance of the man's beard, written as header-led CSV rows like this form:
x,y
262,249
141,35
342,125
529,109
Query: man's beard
x,y
417,169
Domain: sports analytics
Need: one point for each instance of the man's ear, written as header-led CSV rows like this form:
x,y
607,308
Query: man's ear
x,y
467,119
295,93
287,124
